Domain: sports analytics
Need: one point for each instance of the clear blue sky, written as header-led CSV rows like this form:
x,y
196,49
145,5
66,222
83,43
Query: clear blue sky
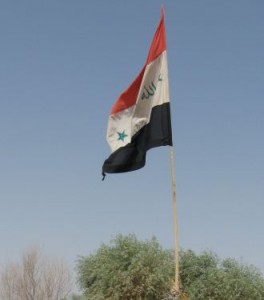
x,y
64,63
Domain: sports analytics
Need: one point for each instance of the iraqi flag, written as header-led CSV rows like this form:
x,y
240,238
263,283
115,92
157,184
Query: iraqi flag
x,y
140,118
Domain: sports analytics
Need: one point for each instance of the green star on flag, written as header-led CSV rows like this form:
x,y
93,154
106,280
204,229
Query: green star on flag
x,y
121,136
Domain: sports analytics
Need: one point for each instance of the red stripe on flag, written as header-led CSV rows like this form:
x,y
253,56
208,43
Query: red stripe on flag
x,y
158,44
129,96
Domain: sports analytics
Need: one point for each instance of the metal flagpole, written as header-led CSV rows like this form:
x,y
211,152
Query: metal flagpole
x,y
175,224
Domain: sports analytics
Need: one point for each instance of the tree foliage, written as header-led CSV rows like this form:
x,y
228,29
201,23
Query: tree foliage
x,y
133,269
126,269
77,297
205,276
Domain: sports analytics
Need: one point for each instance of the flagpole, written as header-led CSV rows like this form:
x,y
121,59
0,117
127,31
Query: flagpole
x,y
175,223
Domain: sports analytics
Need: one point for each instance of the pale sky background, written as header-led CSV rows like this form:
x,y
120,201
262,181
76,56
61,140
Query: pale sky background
x,y
62,66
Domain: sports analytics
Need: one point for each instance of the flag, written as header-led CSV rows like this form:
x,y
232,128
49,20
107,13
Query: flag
x,y
140,118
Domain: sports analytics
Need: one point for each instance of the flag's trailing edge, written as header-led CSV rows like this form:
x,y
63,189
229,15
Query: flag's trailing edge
x,y
140,118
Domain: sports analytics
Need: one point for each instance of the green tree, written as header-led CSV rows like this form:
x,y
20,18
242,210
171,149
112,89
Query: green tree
x,y
126,269
129,269
205,276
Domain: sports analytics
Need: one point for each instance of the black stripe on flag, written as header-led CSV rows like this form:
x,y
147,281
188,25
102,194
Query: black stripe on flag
x,y
154,134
